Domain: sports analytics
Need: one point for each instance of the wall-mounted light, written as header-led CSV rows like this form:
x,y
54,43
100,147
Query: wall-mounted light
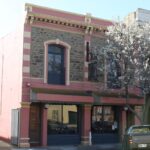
x,y
46,106
28,84
125,108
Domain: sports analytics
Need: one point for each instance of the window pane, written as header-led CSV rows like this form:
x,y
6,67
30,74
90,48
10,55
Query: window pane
x,y
62,119
70,118
103,120
54,118
113,72
56,49
50,62
57,64
141,129
56,72
97,119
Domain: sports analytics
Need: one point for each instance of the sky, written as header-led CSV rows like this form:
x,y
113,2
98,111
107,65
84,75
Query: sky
x,y
11,11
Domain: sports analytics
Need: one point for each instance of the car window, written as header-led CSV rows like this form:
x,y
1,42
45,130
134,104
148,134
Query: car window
x,y
137,130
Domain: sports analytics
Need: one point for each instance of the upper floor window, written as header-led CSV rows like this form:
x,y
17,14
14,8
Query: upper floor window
x,y
113,72
93,69
57,62
96,67
56,68
87,51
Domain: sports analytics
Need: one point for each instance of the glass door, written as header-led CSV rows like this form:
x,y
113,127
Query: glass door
x,y
104,124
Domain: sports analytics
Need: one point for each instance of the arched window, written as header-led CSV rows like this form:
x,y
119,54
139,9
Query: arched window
x,y
57,62
56,68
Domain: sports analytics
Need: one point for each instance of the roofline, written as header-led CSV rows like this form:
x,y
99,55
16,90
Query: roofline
x,y
68,12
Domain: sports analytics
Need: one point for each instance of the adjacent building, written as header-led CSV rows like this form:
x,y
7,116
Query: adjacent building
x,y
49,94
140,16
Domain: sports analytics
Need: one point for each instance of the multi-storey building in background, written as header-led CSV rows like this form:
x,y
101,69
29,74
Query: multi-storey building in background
x,y
48,94
140,16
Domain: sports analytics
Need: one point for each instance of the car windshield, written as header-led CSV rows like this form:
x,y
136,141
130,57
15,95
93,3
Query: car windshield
x,y
140,129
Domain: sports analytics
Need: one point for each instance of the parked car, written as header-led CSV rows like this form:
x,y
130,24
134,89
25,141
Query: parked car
x,y
137,137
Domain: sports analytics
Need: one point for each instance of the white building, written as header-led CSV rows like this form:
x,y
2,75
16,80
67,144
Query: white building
x,y
140,16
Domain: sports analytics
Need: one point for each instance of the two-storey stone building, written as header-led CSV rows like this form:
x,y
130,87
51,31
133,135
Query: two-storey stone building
x,y
47,96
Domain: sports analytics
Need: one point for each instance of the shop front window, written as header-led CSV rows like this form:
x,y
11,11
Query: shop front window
x,y
104,120
62,119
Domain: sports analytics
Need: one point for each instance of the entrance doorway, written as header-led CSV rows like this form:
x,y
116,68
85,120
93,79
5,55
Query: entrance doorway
x,y
105,124
63,125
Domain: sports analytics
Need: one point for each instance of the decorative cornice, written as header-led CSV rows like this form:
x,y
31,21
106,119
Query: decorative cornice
x,y
86,26
89,29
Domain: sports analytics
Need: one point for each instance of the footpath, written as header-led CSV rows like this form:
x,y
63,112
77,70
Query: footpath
x,y
7,146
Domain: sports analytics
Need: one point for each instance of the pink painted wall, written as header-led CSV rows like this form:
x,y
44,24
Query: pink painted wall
x,y
64,98
57,13
77,85
86,124
67,15
102,22
44,127
11,47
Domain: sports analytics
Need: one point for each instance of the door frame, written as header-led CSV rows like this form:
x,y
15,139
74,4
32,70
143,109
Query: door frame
x,y
104,137
66,139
